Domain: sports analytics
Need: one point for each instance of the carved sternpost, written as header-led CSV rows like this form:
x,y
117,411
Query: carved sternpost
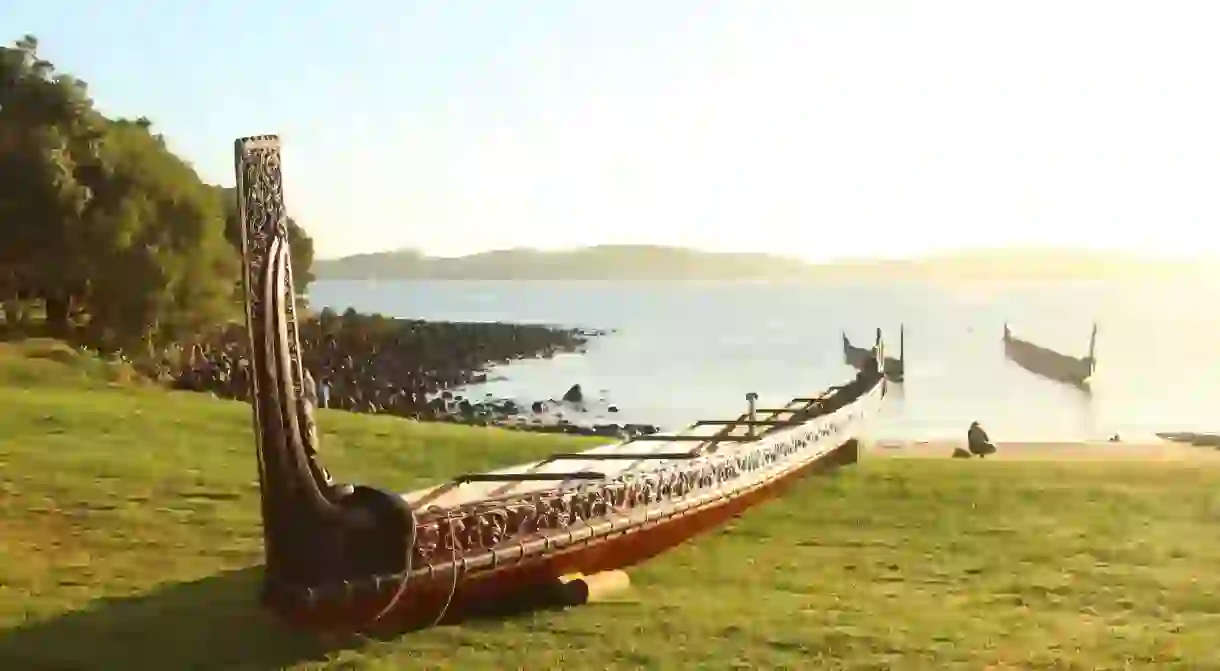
x,y
275,373
264,234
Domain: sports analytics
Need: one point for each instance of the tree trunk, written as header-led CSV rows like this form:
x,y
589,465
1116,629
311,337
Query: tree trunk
x,y
58,308
13,313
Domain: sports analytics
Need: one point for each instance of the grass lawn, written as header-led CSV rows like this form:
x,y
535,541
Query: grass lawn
x,y
130,539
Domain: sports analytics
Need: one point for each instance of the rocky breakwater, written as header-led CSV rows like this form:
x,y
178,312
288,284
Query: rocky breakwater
x,y
376,364
573,413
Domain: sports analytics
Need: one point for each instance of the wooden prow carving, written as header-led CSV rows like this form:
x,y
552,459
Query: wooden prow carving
x,y
314,532
902,346
1093,349
859,357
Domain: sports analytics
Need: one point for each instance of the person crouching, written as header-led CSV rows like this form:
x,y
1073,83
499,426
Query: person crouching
x,y
978,442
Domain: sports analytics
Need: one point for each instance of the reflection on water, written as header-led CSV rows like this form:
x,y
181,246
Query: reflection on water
x,y
684,352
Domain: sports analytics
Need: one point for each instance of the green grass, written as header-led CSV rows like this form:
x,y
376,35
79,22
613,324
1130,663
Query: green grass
x,y
129,539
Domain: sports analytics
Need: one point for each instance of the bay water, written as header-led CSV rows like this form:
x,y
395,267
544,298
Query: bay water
x,y
682,351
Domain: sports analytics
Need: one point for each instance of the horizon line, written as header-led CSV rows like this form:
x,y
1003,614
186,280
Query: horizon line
x,y
1190,257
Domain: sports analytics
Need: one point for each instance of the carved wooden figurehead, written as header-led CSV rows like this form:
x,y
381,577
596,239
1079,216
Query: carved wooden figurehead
x,y
314,532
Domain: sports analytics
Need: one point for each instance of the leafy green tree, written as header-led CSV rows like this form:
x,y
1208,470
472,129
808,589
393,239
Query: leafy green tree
x,y
50,161
99,215
160,269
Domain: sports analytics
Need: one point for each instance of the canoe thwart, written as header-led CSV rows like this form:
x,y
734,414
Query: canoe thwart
x,y
623,456
527,477
656,437
748,422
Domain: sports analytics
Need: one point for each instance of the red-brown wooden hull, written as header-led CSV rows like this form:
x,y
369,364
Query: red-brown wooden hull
x,y
426,601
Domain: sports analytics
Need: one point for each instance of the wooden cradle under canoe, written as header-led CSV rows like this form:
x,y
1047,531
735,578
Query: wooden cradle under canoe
x,y
345,558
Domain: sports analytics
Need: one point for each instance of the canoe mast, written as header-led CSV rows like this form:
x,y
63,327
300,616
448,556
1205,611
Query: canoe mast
x,y
314,532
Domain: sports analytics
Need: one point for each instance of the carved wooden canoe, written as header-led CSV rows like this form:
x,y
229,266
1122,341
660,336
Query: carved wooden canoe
x,y
1051,364
353,558
859,357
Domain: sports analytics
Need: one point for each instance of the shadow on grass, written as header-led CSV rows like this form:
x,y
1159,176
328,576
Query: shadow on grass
x,y
213,623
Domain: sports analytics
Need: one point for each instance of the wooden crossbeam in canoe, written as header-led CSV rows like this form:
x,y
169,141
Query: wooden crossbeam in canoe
x,y
656,437
623,456
747,422
524,477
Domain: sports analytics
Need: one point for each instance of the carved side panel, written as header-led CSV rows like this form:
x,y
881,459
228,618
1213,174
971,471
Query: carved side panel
x,y
482,526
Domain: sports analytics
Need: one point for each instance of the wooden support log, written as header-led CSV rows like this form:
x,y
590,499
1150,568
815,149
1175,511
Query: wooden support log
x,y
582,589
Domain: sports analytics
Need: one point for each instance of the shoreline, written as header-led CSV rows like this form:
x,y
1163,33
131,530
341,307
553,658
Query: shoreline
x,y
1053,451
412,368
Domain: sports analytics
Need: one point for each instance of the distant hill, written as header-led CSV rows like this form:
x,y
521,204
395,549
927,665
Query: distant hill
x,y
647,262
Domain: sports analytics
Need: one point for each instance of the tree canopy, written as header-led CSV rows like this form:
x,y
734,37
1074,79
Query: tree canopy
x,y
101,221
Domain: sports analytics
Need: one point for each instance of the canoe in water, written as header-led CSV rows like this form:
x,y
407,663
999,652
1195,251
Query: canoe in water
x,y
859,357
1050,364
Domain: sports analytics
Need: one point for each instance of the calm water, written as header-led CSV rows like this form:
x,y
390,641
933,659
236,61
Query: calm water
x,y
690,351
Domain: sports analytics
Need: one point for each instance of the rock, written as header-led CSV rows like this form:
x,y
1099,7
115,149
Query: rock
x,y
959,453
538,407
606,429
574,394
612,408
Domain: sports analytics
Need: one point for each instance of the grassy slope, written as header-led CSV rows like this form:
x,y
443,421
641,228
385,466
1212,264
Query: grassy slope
x,y
129,539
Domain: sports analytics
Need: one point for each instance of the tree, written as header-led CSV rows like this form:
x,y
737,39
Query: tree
x,y
159,267
298,240
100,214
50,159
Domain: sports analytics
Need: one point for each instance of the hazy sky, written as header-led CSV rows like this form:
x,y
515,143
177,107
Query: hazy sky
x,y
815,128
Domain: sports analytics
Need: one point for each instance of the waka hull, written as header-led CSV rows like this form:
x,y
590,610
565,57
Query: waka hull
x,y
1048,363
515,583
859,357
512,575
358,558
